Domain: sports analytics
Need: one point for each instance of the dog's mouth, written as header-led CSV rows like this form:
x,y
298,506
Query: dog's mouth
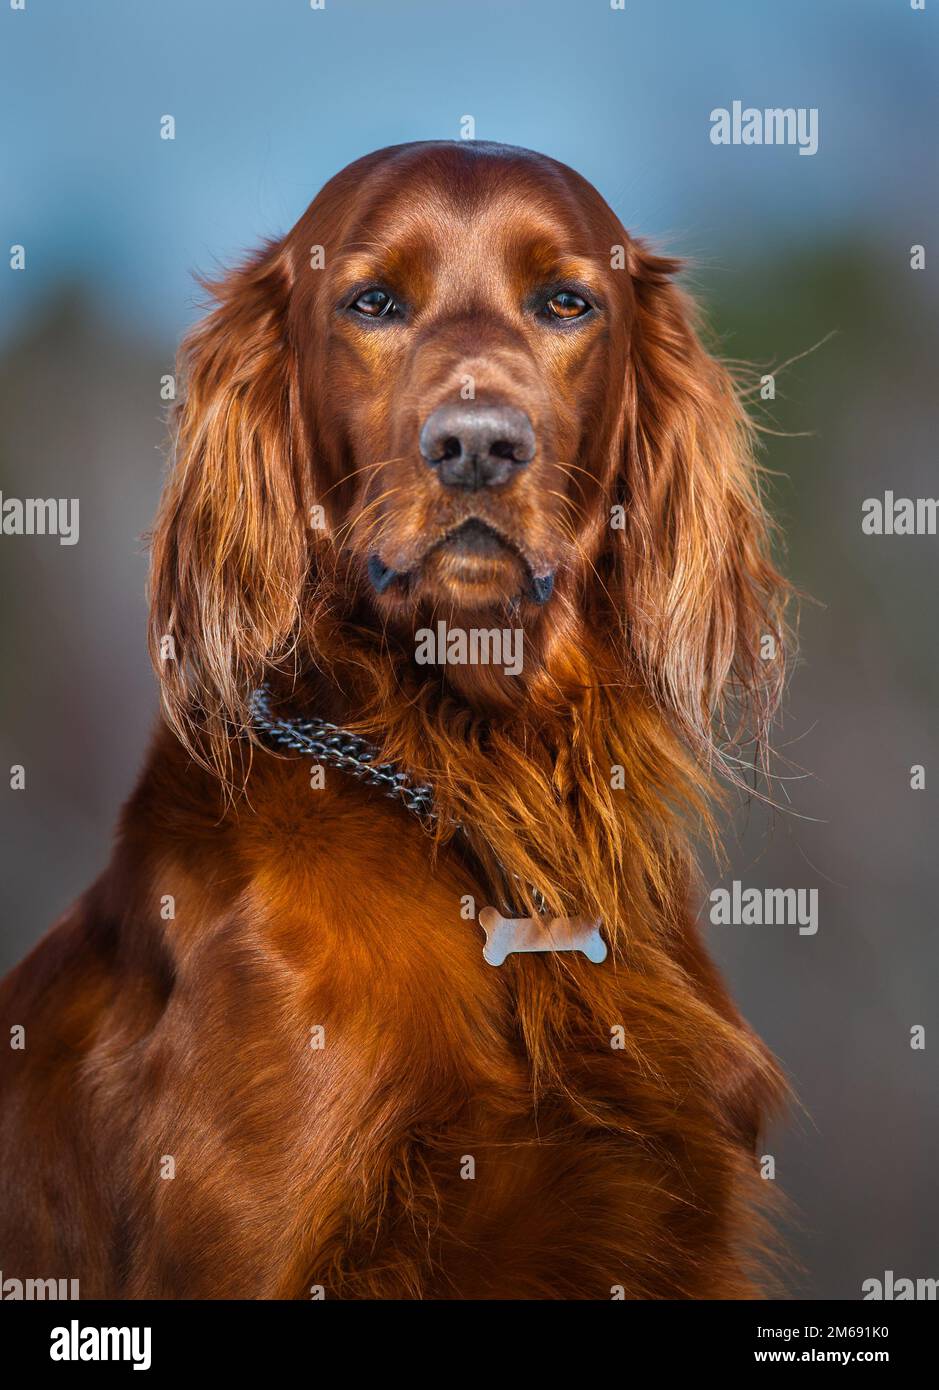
x,y
476,537
473,558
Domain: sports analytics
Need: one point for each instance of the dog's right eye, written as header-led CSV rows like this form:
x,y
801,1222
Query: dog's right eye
x,y
374,304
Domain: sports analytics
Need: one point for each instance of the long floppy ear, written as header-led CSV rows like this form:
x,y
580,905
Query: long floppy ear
x,y
704,603
229,552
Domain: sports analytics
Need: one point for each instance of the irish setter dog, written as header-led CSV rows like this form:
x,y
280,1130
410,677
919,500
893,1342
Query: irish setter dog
x,y
264,1056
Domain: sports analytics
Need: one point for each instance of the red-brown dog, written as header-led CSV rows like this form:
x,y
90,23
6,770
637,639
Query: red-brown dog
x,y
264,1054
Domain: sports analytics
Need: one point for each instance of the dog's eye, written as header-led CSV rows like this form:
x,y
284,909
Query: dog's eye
x,y
566,305
374,304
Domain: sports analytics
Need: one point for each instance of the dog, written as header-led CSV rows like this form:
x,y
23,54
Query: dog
x,y
264,1056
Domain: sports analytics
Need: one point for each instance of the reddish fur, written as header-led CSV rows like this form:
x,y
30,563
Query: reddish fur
x,y
190,1037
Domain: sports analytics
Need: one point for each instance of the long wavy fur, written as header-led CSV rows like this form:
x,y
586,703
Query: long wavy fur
x,y
663,656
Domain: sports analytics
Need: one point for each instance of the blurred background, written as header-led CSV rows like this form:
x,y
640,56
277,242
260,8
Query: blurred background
x,y
269,101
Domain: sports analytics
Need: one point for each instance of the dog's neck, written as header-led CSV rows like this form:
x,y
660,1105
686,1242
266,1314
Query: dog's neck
x,y
577,784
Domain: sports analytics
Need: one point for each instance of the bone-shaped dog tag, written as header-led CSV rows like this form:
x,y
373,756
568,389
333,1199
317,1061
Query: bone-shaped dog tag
x,y
507,934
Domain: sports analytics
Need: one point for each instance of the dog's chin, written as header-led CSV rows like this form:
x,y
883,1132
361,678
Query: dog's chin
x,y
471,569
471,581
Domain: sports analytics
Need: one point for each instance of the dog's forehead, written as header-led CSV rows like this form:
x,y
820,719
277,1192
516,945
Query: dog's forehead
x,y
450,204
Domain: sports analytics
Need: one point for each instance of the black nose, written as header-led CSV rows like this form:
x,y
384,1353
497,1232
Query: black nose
x,y
477,446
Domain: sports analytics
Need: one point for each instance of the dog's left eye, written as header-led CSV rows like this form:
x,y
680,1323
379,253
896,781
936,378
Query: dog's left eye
x,y
374,304
566,305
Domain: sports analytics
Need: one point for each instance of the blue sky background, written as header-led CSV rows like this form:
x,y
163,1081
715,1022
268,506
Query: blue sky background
x,y
272,98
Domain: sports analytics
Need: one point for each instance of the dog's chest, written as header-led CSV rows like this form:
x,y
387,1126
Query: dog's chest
x,y
342,1077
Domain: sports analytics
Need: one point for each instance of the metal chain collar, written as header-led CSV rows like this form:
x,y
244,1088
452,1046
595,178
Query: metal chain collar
x,y
339,748
350,753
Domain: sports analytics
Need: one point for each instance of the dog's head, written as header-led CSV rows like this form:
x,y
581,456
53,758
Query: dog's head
x,y
459,387
470,327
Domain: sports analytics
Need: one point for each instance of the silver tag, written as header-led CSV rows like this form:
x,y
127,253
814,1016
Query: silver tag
x,y
507,934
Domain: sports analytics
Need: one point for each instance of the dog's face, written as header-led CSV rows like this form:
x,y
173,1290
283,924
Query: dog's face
x,y
470,326
459,386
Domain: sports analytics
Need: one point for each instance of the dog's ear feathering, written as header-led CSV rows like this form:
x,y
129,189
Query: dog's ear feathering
x,y
229,554
704,605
